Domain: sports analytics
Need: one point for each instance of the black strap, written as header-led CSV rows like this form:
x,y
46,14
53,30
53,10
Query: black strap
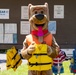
x,y
16,63
32,64
15,55
8,65
21,56
40,54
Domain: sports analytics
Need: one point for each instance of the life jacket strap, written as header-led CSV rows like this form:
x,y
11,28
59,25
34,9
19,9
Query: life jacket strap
x,y
40,54
15,55
8,65
32,64
16,63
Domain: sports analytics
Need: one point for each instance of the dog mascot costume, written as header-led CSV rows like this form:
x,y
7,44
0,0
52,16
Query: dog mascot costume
x,y
39,47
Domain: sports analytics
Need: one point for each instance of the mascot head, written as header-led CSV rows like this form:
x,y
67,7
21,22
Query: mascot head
x,y
38,17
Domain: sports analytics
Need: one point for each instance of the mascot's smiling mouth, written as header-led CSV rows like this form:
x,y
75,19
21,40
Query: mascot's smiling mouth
x,y
37,25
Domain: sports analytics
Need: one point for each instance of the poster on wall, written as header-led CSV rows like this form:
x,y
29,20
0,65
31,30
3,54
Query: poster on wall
x,y
24,12
52,27
59,11
1,28
8,38
10,28
4,13
1,38
1,32
8,33
25,27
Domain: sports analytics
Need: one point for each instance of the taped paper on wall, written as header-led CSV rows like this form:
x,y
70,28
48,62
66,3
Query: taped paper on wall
x,y
25,27
10,28
4,13
59,11
24,12
1,28
52,27
1,38
8,38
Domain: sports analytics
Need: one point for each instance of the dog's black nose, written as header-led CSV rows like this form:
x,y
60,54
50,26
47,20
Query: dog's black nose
x,y
39,16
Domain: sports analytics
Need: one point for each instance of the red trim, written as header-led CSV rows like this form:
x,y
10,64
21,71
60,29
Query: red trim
x,y
35,32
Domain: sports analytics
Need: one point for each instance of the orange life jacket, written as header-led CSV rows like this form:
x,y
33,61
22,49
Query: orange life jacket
x,y
30,38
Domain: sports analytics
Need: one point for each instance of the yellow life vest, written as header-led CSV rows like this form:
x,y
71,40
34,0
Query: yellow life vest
x,y
40,60
13,59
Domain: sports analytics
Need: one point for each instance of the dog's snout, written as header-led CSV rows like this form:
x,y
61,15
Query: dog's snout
x,y
39,16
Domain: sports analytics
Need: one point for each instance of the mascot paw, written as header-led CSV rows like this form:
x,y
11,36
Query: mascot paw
x,y
31,48
49,50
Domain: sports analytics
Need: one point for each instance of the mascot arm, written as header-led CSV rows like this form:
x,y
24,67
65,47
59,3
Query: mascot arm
x,y
54,49
26,52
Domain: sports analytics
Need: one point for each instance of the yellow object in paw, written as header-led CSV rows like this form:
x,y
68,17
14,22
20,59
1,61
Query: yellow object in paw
x,y
40,60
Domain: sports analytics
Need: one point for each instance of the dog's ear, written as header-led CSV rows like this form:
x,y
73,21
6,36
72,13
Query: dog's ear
x,y
29,9
46,4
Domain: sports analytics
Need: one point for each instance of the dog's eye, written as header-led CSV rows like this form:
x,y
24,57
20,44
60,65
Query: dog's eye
x,y
35,12
42,12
